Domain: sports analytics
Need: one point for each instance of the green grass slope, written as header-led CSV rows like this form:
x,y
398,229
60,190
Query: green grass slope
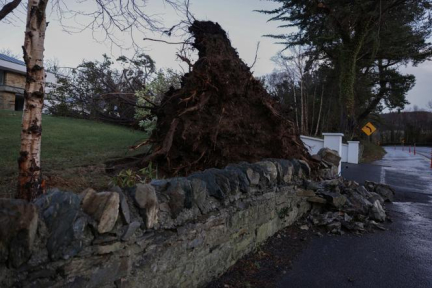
x,y
73,150
371,152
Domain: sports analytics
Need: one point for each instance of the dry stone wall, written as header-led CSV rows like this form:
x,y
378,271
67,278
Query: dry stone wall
x,y
179,232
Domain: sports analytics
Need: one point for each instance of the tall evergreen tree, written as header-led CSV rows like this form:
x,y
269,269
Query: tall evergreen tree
x,y
364,39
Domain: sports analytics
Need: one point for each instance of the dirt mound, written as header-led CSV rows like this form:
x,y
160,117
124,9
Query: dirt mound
x,y
220,115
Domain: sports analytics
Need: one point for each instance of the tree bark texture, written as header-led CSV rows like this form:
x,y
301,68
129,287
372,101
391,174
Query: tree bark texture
x,y
348,68
380,95
30,183
347,81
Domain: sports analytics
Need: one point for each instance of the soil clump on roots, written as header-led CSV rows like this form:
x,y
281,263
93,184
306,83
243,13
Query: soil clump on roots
x,y
220,115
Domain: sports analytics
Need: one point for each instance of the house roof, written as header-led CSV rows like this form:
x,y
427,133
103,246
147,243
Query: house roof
x,y
8,63
11,59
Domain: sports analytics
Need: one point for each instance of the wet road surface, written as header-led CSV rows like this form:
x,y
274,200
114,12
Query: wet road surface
x,y
424,151
398,257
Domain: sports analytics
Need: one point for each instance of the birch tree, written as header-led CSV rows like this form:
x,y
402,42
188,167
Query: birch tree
x,y
30,180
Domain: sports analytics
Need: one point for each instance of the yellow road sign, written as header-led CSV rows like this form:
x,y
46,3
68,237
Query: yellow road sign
x,y
368,129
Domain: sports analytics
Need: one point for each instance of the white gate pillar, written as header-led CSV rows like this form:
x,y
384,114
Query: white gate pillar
x,y
334,141
353,152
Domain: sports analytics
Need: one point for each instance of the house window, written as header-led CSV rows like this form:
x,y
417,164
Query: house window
x,y
2,76
19,102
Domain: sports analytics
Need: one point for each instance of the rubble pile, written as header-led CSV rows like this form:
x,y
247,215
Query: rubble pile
x,y
340,205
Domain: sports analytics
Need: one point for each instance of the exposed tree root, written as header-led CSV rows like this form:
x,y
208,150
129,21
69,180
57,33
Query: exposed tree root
x,y
221,115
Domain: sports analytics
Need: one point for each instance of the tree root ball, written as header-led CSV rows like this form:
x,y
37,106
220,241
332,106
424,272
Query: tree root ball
x,y
220,115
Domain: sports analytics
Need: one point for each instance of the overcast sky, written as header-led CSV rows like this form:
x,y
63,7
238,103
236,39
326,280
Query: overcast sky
x,y
245,29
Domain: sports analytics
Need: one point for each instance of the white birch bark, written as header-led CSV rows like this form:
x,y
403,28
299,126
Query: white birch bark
x,y
30,179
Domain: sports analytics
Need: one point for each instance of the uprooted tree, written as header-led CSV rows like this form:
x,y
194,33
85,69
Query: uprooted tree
x,y
220,115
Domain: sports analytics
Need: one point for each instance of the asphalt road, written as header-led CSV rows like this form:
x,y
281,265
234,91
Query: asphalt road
x,y
424,151
398,257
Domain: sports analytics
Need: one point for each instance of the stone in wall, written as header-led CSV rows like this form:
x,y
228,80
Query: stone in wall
x,y
66,224
18,226
146,199
103,207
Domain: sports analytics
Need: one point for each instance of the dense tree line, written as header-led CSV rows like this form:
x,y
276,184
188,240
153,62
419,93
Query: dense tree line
x,y
410,127
99,90
96,90
305,93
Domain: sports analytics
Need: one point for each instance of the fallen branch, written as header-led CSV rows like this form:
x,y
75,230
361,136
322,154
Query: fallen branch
x,y
167,143
132,148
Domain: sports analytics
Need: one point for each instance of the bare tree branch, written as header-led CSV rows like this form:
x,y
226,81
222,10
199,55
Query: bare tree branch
x,y
8,8
109,16
256,55
166,42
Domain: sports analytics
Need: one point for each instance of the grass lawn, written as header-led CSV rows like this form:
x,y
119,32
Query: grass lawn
x,y
73,151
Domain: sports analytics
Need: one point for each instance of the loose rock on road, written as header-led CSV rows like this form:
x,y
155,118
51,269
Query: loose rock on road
x,y
398,257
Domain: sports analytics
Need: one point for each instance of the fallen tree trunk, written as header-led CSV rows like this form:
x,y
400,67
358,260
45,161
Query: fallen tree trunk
x,y
220,115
